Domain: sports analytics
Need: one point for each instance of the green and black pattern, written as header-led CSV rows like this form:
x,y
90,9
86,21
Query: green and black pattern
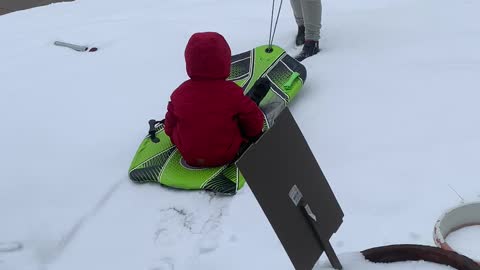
x,y
221,184
240,70
151,169
162,163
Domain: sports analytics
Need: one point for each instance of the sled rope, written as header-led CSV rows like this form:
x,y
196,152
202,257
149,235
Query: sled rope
x,y
272,27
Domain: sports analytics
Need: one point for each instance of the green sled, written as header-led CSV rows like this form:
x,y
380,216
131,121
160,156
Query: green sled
x,y
160,162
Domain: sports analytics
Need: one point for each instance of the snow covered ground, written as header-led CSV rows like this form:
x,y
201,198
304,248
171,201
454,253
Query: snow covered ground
x,y
466,241
355,261
390,110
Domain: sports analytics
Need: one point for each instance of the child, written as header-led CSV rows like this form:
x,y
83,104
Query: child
x,y
208,117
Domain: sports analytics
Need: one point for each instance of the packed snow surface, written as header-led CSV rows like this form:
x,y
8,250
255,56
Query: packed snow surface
x,y
390,110
466,241
355,261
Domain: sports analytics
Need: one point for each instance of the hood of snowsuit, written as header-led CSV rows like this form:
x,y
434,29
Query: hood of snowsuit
x,y
207,56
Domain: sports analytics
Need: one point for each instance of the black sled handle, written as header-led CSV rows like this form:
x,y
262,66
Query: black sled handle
x,y
152,132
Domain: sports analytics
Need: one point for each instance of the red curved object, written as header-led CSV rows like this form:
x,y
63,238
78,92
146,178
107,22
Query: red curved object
x,y
402,253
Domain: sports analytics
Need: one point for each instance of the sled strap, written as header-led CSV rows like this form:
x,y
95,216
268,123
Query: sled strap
x,y
289,83
272,27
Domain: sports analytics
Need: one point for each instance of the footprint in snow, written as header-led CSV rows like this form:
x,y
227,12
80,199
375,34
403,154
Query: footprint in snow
x,y
208,245
164,264
211,234
11,247
233,238
414,236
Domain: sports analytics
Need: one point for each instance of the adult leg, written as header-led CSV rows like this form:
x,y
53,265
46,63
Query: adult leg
x,y
297,11
312,17
298,14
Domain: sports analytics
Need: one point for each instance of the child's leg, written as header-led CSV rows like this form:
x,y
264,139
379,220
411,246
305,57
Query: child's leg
x,y
259,90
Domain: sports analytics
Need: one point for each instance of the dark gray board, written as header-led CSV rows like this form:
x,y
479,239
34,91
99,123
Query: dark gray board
x,y
271,167
7,6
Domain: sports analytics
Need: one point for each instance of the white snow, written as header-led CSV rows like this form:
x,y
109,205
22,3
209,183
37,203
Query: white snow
x,y
390,110
355,261
465,241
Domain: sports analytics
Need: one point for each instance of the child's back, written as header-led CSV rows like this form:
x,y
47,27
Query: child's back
x,y
208,117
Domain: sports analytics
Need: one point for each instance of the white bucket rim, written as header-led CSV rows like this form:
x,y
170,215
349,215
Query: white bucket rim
x,y
453,220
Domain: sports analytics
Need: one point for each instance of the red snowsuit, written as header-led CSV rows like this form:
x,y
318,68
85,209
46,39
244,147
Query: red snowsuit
x,y
208,118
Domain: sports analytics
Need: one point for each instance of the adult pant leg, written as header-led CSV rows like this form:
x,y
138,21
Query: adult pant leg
x,y
297,11
312,18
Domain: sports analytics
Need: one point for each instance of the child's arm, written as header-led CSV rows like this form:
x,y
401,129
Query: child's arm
x,y
170,120
250,117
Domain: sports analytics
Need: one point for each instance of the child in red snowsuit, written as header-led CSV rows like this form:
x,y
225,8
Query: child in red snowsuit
x,y
208,117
